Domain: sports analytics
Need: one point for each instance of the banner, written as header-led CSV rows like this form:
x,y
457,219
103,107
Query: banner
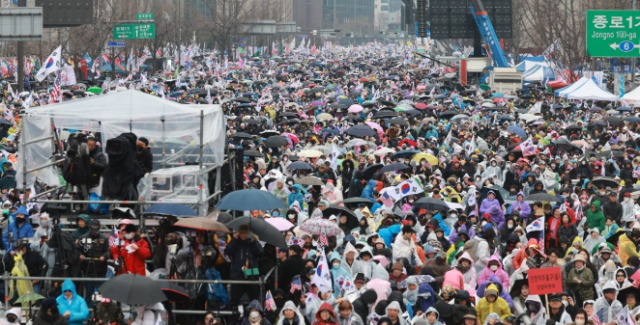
x,y
409,187
544,281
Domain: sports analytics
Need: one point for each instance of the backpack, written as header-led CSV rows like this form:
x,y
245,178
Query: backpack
x,y
216,291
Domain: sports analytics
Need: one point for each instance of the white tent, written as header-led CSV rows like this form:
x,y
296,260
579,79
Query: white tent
x,y
563,91
632,97
148,116
590,90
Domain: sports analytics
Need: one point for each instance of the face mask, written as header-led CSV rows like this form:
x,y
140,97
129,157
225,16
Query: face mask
x,y
509,225
6,211
493,267
579,321
533,308
565,303
453,215
336,265
292,216
626,199
276,214
44,223
553,166
19,220
128,236
584,162
140,148
11,318
254,314
284,159
410,201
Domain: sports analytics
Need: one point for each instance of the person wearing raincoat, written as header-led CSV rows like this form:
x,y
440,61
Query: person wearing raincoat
x,y
430,317
626,249
394,313
593,240
289,315
520,207
595,217
367,192
405,247
71,305
535,310
346,315
451,195
254,315
325,315
350,263
337,271
494,267
493,169
492,303
296,195
607,307
489,202
332,194
312,303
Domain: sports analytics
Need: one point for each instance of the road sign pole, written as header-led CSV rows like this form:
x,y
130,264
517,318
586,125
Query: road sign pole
x,y
633,62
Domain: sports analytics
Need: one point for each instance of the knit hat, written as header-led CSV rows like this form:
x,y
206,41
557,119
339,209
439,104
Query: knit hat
x,y
49,303
397,266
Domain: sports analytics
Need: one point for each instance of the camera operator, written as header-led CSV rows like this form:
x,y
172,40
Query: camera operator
x,y
94,253
17,230
98,162
144,157
130,254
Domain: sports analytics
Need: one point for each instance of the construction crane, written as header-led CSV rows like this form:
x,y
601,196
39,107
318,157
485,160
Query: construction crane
x,y
485,27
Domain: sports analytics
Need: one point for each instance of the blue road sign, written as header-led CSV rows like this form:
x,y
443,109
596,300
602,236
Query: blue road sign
x,y
115,44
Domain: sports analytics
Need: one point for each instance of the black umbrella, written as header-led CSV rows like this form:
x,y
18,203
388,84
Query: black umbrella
x,y
332,131
385,113
252,121
241,135
405,153
573,127
597,123
485,190
629,289
447,114
371,170
299,165
269,133
352,118
430,204
357,201
394,167
614,121
352,219
287,114
265,231
242,100
275,142
133,289
339,105
253,153
605,181
399,121
361,131
386,102
5,122
175,292
542,197
414,112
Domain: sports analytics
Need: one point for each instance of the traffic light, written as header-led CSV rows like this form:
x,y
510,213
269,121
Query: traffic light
x,y
421,18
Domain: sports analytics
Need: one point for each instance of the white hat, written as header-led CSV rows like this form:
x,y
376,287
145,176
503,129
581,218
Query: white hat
x,y
333,217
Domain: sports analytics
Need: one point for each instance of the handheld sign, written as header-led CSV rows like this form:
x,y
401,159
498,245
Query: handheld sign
x,y
544,281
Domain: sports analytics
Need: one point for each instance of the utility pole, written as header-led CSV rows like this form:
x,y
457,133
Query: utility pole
x,y
633,62
20,78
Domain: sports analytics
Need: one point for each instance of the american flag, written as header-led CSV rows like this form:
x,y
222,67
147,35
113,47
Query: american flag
x,y
386,199
113,238
269,302
322,241
55,92
296,284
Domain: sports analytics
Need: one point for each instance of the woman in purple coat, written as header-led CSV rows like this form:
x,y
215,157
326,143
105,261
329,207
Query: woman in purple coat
x,y
521,207
489,202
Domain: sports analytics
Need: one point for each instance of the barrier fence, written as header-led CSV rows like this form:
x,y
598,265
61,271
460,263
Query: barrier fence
x,y
262,280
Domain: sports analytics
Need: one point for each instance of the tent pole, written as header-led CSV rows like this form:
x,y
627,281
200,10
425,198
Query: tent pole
x,y
200,194
23,154
164,142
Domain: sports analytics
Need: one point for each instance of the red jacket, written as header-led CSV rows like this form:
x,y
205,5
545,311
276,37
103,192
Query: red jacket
x,y
134,262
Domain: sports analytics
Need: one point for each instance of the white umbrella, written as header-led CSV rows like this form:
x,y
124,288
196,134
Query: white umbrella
x,y
384,151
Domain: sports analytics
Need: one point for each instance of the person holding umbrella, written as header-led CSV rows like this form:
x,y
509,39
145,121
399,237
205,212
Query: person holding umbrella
x,y
244,251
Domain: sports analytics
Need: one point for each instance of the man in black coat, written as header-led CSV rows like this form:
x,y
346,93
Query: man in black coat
x,y
613,208
362,305
290,267
98,161
244,251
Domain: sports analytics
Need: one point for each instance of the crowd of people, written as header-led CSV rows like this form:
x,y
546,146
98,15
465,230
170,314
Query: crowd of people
x,y
418,198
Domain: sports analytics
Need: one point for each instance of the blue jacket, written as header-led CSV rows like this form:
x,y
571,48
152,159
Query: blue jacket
x,y
367,192
296,195
19,232
388,233
336,273
77,307
441,224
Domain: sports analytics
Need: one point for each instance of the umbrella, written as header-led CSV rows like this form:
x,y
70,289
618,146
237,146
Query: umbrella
x,y
375,126
448,114
5,122
202,223
430,204
250,199
324,117
299,165
421,106
310,180
29,297
614,121
317,103
632,119
133,289
242,100
352,219
485,190
385,113
517,131
175,292
95,90
266,232
431,159
310,153
358,200
370,170
269,133
332,131
360,131
383,151
399,121
605,181
281,224
542,197
414,112
394,167
242,135
275,142
170,209
253,153
622,294
320,226
355,108
405,154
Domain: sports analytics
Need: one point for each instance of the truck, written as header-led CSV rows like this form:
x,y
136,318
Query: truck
x,y
504,80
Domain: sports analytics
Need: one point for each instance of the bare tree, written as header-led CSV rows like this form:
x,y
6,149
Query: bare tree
x,y
225,19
